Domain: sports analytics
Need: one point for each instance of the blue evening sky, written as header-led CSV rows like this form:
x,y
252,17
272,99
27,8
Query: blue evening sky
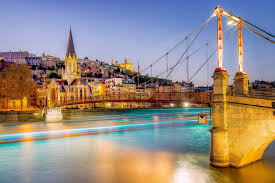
x,y
140,30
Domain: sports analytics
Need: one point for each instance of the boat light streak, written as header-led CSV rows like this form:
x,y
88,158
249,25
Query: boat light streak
x,y
52,133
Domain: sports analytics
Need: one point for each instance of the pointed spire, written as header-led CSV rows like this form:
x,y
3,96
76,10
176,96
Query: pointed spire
x,y
70,47
138,68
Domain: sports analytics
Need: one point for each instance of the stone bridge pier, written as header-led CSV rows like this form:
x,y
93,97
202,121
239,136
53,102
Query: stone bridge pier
x,y
243,127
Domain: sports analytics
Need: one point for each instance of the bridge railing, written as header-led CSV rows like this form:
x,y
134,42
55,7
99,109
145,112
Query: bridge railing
x,y
264,94
192,97
204,97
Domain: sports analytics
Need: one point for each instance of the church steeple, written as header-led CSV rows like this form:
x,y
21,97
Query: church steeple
x,y
71,71
70,47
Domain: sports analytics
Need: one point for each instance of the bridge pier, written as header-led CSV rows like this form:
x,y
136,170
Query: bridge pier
x,y
243,127
240,86
219,152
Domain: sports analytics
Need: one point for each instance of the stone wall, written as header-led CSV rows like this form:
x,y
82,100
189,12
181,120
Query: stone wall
x,y
251,128
243,127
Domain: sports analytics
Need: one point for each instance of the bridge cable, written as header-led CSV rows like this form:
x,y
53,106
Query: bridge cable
x,y
200,48
190,45
167,64
248,23
193,53
210,56
207,68
187,64
173,48
259,34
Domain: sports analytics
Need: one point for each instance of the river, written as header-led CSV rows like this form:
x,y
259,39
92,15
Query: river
x,y
158,155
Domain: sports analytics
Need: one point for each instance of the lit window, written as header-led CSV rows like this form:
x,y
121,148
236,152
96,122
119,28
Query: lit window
x,y
2,105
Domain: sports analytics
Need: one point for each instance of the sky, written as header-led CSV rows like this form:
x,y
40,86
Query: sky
x,y
142,31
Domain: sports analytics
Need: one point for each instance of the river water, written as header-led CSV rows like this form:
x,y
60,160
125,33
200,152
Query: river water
x,y
159,155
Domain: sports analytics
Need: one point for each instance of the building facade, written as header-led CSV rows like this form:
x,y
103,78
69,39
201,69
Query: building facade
x,y
127,65
15,57
36,61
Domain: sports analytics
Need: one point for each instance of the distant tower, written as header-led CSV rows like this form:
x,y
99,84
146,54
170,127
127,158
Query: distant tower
x,y
138,68
71,69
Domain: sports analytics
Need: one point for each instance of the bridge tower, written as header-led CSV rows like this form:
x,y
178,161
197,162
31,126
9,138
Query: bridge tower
x,y
241,79
243,127
219,155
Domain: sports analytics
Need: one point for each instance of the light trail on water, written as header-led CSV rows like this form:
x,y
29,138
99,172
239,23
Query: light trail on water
x,y
16,137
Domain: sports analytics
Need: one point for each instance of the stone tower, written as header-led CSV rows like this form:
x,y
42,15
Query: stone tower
x,y
71,69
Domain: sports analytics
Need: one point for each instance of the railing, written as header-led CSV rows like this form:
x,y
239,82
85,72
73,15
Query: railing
x,y
193,97
251,94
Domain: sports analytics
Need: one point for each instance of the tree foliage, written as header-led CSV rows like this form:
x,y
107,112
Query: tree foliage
x,y
54,75
20,84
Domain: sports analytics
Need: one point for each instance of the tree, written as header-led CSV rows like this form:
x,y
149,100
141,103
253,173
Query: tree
x,y
21,84
54,75
117,71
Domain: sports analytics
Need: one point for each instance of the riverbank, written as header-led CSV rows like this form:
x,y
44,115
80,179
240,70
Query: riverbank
x,y
21,115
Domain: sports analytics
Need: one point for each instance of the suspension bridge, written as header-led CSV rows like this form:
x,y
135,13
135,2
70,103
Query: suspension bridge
x,y
179,96
243,123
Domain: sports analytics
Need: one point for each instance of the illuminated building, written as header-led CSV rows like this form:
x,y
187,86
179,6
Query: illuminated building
x,y
15,57
48,57
127,65
128,88
98,89
37,61
71,68
71,87
113,85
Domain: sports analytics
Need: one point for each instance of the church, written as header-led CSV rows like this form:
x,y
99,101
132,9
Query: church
x,y
127,65
70,88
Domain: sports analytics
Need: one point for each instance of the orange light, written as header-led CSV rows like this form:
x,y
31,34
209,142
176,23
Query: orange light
x,y
240,47
219,13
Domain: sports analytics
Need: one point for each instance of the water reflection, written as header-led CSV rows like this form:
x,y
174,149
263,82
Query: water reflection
x,y
132,165
102,160
27,161
256,172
